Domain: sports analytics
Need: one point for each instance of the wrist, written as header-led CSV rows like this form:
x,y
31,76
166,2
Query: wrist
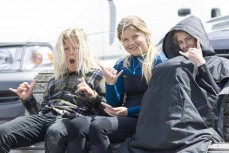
x,y
201,62
110,83
94,94
25,99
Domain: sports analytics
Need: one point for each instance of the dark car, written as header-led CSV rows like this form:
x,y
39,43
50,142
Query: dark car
x,y
220,42
217,23
20,62
218,34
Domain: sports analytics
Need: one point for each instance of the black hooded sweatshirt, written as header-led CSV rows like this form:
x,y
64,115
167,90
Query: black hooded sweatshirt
x,y
181,112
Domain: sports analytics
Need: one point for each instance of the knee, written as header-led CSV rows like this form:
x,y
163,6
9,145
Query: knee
x,y
55,139
53,145
99,126
77,124
54,134
99,130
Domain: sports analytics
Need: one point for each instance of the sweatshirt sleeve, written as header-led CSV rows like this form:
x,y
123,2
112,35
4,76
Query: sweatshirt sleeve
x,y
133,111
31,105
115,92
207,77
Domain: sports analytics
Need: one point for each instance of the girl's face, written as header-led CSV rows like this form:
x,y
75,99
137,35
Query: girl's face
x,y
71,50
185,41
134,42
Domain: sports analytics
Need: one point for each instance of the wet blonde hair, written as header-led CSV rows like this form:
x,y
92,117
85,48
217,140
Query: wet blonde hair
x,y
86,61
175,36
138,24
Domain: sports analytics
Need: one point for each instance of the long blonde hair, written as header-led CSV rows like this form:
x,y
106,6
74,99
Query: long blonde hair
x,y
149,57
87,62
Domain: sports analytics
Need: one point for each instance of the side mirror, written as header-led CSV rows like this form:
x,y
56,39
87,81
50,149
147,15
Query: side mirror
x,y
184,11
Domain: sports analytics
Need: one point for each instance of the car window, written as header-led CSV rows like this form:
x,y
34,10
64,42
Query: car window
x,y
37,57
10,58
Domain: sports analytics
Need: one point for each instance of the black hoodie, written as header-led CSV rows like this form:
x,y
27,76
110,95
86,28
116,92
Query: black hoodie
x,y
194,27
178,115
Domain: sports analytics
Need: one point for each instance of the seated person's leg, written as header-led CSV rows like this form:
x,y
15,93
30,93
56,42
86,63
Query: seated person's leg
x,y
106,130
20,132
56,136
78,132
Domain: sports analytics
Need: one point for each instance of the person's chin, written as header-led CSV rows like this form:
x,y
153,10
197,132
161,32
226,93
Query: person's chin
x,y
72,68
134,52
137,53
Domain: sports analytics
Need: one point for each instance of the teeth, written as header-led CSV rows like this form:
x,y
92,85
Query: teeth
x,y
134,47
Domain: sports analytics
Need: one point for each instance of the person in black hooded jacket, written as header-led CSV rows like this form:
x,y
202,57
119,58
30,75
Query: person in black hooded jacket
x,y
183,114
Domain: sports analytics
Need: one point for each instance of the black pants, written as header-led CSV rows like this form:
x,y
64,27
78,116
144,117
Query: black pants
x,y
26,130
100,131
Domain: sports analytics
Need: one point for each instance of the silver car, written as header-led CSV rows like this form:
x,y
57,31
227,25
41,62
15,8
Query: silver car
x,y
20,62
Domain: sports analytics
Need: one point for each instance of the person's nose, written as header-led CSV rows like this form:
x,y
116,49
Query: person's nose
x,y
72,50
185,44
131,42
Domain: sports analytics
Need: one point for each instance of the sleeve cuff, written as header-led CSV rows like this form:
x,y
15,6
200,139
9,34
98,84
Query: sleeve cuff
x,y
133,111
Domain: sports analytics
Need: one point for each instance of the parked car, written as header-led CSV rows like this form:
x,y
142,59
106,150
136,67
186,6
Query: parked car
x,y
20,62
218,34
217,23
219,40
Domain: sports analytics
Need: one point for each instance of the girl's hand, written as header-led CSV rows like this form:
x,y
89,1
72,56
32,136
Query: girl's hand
x,y
24,90
114,111
110,75
85,89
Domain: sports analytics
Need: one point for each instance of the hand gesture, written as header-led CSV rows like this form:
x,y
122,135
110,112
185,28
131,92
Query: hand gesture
x,y
110,75
84,88
195,55
24,90
117,111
